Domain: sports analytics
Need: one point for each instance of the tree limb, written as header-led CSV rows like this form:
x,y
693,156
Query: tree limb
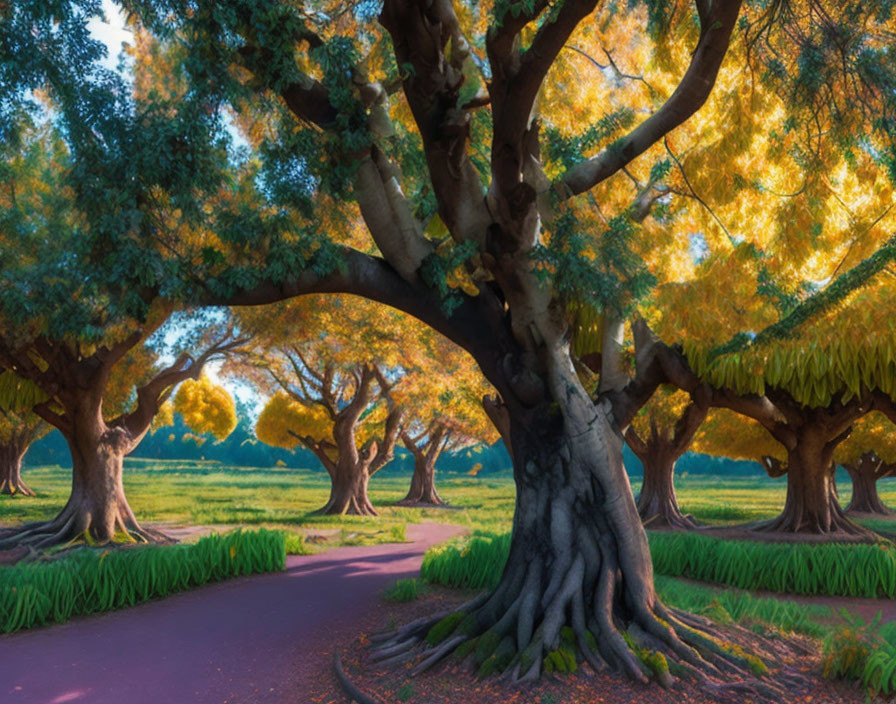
x,y
717,21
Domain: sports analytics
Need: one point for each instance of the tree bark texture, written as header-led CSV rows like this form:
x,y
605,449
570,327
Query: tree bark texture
x,y
658,452
97,509
426,450
423,484
351,468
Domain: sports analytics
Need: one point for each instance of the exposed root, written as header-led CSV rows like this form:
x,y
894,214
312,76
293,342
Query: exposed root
x,y
15,487
355,694
837,522
74,525
659,644
674,520
352,506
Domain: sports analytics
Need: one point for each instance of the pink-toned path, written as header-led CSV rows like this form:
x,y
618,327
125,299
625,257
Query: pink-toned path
x,y
266,638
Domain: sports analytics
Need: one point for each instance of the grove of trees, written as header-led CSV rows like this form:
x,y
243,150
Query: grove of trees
x,y
529,181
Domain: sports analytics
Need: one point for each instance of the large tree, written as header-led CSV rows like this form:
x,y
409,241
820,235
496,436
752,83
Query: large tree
x,y
97,182
430,121
441,395
807,391
339,413
332,370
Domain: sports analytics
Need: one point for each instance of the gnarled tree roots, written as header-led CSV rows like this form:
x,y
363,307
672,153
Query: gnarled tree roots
x,y
660,644
15,487
832,521
668,518
75,524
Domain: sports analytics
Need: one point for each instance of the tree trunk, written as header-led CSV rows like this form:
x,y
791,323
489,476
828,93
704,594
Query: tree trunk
x,y
811,505
97,509
579,573
423,483
11,455
864,474
657,504
348,491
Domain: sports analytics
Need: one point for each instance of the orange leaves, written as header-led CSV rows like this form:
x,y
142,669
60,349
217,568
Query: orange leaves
x,y
206,407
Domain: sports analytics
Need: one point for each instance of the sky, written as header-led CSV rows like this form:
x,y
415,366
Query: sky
x,y
112,32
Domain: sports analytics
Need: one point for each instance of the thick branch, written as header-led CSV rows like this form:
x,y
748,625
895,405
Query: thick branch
x,y
638,446
689,423
516,80
155,392
500,417
386,447
717,20
421,33
373,278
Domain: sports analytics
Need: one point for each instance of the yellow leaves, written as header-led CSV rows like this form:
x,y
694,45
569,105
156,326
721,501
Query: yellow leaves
x,y
729,434
662,412
284,420
842,354
873,432
206,407
164,418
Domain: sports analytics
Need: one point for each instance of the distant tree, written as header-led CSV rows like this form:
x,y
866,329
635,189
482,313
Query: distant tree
x,y
868,455
442,400
103,400
340,414
660,434
806,388
17,432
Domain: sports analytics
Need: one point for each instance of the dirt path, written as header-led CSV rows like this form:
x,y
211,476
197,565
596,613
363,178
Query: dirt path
x,y
254,639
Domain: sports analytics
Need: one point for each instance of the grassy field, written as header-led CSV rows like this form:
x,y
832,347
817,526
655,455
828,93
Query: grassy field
x,y
206,493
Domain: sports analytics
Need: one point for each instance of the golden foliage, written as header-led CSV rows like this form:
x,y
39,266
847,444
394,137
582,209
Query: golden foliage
x,y
725,433
872,433
284,420
206,407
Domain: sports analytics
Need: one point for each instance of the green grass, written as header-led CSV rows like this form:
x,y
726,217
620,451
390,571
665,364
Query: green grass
x,y
862,652
820,569
207,493
736,606
405,590
296,544
830,569
91,580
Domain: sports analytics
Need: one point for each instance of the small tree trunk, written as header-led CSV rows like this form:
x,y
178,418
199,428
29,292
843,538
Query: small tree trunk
x,y
348,491
423,483
11,455
811,505
657,503
864,474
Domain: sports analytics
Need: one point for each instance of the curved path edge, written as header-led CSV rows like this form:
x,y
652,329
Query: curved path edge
x,y
252,639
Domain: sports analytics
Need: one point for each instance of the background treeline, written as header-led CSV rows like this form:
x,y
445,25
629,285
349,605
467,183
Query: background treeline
x,y
241,448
